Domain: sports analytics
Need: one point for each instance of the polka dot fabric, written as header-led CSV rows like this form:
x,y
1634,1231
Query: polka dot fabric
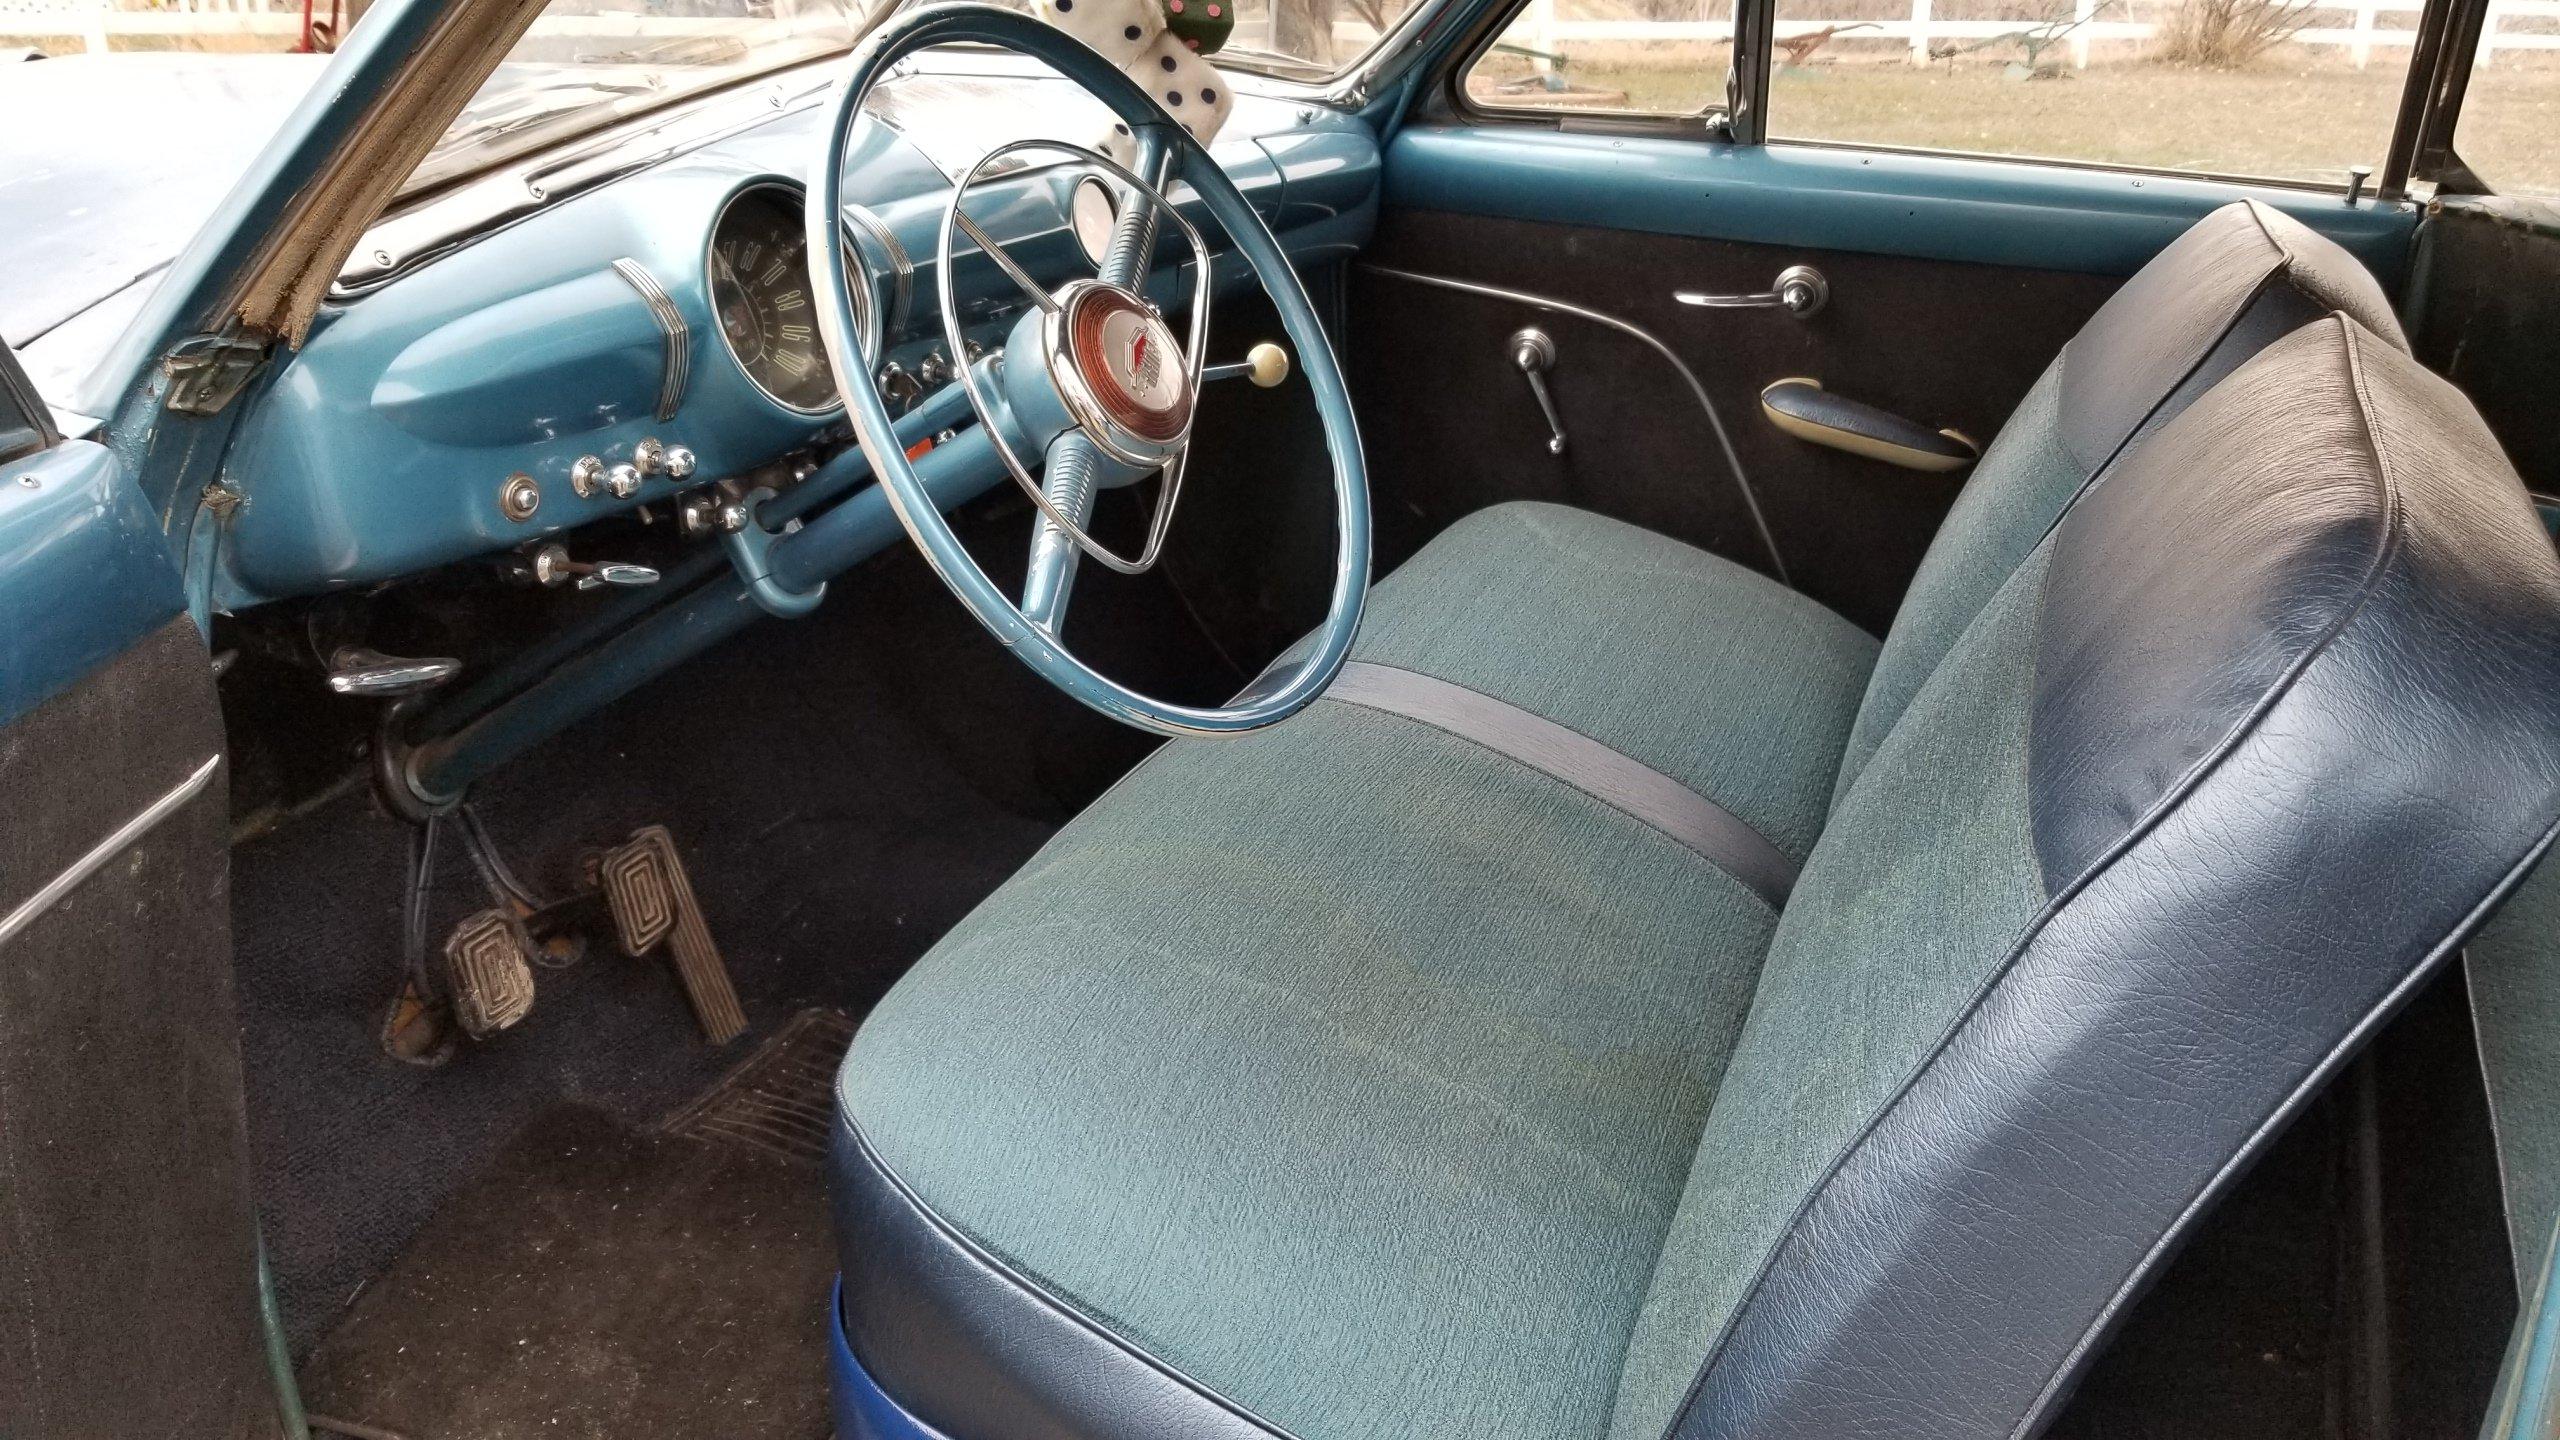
x,y
1158,43
1189,88
1120,29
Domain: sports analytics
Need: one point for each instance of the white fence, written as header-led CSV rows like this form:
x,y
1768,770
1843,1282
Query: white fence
x,y
2369,25
2363,34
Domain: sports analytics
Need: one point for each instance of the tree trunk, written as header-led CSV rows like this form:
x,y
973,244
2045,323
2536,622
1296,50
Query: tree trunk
x,y
1304,28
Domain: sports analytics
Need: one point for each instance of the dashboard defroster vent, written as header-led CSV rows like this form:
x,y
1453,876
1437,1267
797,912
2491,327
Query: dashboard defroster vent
x,y
678,366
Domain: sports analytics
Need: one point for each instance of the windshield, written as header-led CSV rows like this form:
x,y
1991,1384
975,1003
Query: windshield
x,y
586,63
1298,39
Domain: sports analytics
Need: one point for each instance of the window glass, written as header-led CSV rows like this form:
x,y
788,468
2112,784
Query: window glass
x,y
1295,39
2285,89
2298,90
1662,57
2509,133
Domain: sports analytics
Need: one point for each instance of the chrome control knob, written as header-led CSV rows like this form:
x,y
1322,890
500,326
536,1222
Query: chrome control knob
x,y
679,462
649,457
623,481
587,476
935,368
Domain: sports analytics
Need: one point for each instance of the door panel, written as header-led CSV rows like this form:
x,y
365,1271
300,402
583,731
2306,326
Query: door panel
x,y
128,1249
2483,307
1954,282
1452,426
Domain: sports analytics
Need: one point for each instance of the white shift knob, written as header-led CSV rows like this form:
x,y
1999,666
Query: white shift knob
x,y
1266,364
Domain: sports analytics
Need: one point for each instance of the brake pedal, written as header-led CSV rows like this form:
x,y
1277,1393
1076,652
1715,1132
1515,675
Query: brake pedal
x,y
488,974
652,900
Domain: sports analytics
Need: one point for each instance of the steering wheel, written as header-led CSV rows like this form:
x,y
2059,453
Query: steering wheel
x,y
1091,387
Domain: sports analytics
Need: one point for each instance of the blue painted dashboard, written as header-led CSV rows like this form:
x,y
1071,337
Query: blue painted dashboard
x,y
381,449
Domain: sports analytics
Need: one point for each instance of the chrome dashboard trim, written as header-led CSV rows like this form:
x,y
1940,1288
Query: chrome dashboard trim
x,y
34,906
677,368
902,274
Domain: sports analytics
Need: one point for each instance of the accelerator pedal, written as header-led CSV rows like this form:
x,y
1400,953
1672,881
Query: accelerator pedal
x,y
652,901
488,971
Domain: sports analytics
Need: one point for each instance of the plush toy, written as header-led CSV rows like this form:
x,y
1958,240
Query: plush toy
x,y
1158,43
1201,25
1119,29
1189,88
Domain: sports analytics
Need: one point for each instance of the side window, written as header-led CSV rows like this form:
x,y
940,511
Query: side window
x,y
26,426
1656,57
2297,90
2509,133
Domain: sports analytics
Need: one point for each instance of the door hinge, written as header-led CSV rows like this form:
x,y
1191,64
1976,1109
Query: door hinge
x,y
207,372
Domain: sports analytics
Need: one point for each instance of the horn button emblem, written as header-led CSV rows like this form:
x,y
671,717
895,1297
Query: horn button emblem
x,y
1120,365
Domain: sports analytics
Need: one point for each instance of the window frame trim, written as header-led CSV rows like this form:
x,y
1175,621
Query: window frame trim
x,y
2420,146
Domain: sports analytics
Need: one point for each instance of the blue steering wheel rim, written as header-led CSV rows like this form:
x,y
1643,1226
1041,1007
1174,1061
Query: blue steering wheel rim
x,y
1288,687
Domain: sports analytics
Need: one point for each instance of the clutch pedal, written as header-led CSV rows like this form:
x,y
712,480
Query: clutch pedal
x,y
652,900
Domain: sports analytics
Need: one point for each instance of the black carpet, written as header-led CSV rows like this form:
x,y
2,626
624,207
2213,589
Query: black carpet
x,y
598,1282
844,788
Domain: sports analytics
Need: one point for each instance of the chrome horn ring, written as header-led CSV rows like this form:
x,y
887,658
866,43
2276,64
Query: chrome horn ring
x,y
1067,357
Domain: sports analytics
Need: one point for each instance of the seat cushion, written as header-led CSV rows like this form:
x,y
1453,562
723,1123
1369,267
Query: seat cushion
x,y
1341,1079
1715,675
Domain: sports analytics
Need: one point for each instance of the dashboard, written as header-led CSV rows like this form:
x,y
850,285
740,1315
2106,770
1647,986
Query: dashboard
x,y
650,334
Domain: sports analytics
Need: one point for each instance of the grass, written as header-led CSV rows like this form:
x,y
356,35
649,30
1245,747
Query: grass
x,y
2300,122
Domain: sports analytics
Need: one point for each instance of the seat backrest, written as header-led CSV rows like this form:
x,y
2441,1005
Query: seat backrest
x,y
2236,282
2237,755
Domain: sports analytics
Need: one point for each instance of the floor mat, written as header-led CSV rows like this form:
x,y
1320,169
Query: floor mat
x,y
844,786
602,1280
782,1100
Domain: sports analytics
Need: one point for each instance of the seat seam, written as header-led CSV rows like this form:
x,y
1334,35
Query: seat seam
x,y
1774,906
2175,796
1042,1292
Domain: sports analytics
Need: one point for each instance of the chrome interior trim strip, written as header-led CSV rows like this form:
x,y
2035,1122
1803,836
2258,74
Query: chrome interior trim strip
x,y
1715,421
1616,780
902,268
678,366
107,849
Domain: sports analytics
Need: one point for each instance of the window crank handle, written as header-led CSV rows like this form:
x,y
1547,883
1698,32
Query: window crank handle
x,y
1535,354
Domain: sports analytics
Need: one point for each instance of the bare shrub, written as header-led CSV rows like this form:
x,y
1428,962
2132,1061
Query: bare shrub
x,y
2230,34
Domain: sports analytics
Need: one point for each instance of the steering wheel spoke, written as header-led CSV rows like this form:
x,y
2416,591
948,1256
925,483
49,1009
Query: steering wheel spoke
x,y
1012,268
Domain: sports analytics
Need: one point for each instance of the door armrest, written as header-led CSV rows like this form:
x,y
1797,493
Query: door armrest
x,y
1802,408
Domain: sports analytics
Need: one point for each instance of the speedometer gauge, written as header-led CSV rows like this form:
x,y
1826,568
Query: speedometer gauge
x,y
760,291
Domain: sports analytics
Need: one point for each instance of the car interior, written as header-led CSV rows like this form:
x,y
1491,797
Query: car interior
x,y
1635,783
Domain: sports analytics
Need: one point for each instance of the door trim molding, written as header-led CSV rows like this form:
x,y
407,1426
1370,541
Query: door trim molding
x,y
90,864
1715,420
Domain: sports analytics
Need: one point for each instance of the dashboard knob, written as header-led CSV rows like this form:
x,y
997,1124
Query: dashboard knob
x,y
679,462
587,476
650,457
623,481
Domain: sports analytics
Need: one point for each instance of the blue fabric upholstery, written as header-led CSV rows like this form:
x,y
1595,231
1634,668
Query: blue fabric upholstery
x,y
1360,1067
1353,1078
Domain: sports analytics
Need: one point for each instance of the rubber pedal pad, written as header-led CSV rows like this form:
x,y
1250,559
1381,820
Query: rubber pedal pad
x,y
652,900
488,974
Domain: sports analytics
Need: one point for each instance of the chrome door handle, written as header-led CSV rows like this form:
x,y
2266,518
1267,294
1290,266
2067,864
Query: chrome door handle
x,y
1799,290
1535,354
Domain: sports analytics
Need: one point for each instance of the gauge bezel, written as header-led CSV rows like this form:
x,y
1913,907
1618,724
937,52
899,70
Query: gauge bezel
x,y
866,305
